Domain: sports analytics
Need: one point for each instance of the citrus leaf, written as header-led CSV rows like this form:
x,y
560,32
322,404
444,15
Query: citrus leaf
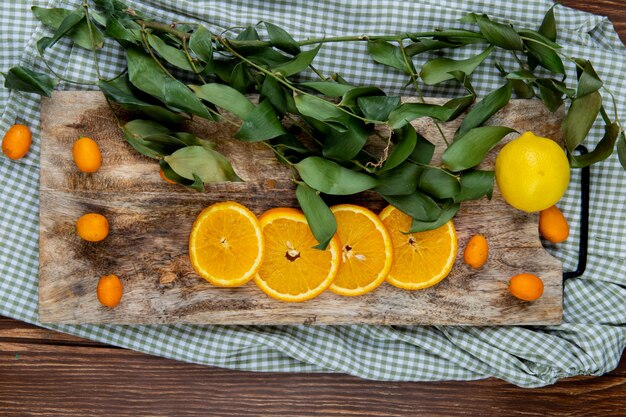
x,y
475,184
603,149
621,150
401,180
319,217
423,151
499,34
485,108
298,64
120,91
136,132
448,211
149,77
288,142
173,55
378,107
424,45
328,88
170,174
330,178
588,81
26,80
319,109
580,118
345,145
225,97
458,105
387,54
417,205
281,39
351,96
438,69
522,89
268,56
248,34
405,139
69,22
201,44
272,90
123,30
545,55
548,25
211,166
439,183
79,33
521,75
408,112
260,124
240,79
470,149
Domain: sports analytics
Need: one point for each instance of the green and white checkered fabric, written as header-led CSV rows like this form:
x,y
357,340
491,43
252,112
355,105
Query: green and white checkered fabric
x,y
593,334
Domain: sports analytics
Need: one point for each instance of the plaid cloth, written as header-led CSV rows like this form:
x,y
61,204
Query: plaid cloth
x,y
590,340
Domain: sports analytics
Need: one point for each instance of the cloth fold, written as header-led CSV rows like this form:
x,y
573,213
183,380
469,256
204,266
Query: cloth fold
x,y
589,342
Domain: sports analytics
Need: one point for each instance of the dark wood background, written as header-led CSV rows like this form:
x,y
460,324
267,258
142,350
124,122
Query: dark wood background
x,y
46,373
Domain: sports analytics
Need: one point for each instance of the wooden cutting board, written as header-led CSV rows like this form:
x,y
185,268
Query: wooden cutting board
x,y
150,223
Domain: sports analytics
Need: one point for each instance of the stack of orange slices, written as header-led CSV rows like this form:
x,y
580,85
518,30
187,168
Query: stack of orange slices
x,y
229,246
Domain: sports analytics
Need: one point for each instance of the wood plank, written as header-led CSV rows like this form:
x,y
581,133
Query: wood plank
x,y
76,381
151,220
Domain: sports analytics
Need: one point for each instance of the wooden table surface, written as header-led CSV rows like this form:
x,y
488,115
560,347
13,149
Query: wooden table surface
x,y
46,373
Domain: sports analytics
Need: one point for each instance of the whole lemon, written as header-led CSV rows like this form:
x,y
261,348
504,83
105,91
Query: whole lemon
x,y
532,172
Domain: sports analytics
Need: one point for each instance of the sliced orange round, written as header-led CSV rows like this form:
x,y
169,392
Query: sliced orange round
x,y
421,259
366,250
226,244
292,269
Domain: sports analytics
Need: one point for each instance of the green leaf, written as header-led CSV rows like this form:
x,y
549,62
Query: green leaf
x,y
498,34
603,149
281,39
475,184
268,56
124,30
345,145
201,43
23,79
171,54
417,205
146,75
438,69
408,112
240,78
580,118
439,183
350,98
447,213
320,109
211,166
79,33
136,132
424,45
458,105
328,88
405,139
298,64
548,25
470,149
69,22
330,178
260,124
225,97
621,150
274,92
289,142
387,54
551,99
588,81
401,180
248,34
460,36
119,91
542,49
378,107
319,217
190,139
522,89
485,108
423,151
169,173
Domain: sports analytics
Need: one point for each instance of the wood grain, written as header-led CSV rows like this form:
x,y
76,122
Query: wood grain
x,y
151,220
47,379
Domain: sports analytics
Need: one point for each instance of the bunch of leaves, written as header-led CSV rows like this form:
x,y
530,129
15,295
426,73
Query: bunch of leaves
x,y
321,128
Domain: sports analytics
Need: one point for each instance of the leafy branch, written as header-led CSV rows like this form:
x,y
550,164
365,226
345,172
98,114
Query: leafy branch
x,y
320,128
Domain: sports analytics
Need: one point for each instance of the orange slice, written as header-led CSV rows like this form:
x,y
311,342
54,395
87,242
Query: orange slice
x,y
292,269
366,250
421,259
226,244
